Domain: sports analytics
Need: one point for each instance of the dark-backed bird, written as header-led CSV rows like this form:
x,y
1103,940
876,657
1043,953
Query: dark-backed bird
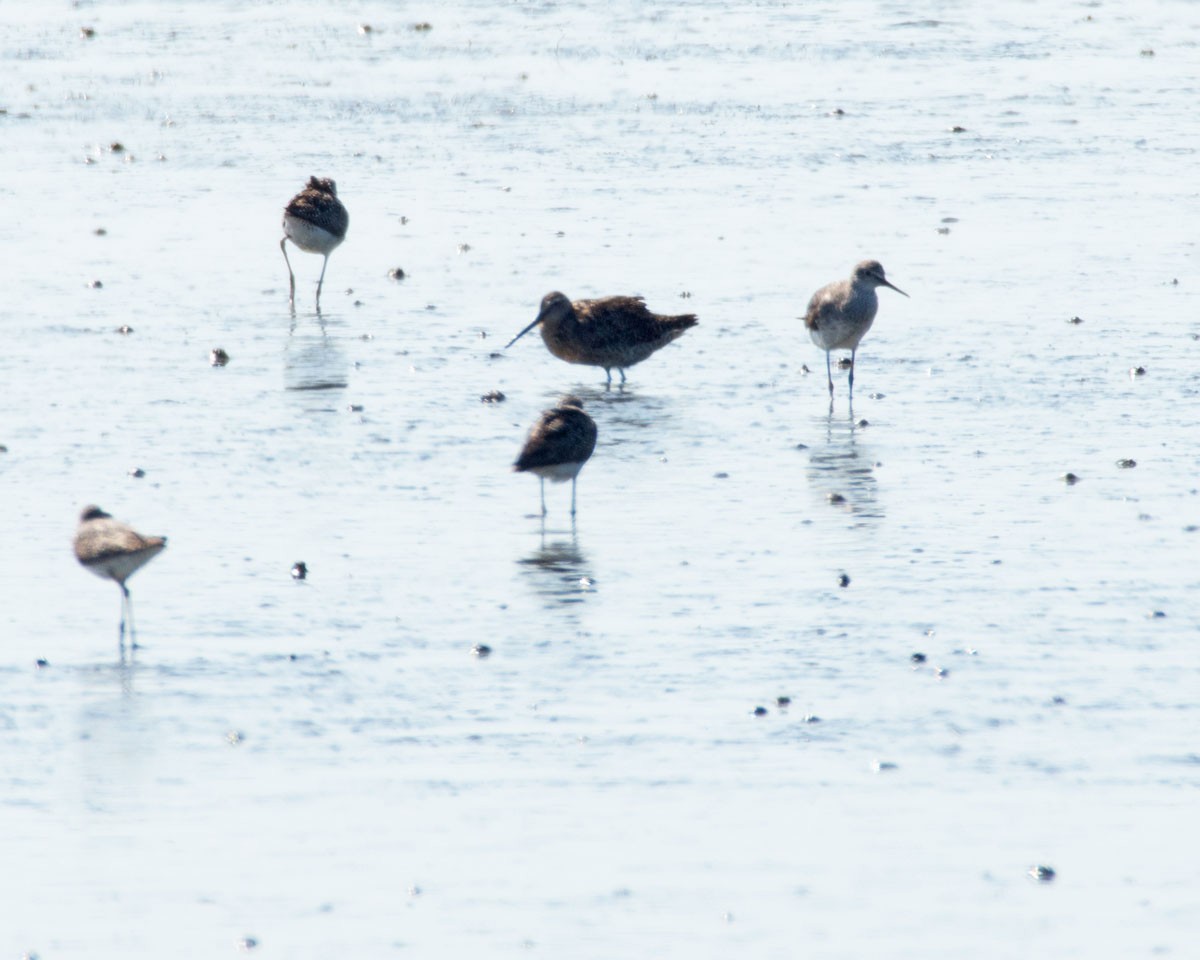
x,y
315,221
558,446
114,551
608,332
840,314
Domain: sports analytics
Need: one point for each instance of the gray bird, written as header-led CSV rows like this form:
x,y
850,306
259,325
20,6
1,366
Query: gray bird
x,y
607,332
558,446
114,551
840,314
315,221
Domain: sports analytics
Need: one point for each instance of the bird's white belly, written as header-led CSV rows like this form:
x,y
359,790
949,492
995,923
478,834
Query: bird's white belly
x,y
308,236
839,336
558,472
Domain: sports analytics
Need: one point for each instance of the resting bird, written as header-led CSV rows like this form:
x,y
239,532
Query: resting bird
x,y
608,332
558,446
316,221
114,551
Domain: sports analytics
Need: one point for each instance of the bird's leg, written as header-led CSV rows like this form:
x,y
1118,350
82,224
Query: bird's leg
x,y
572,496
291,276
853,351
608,382
621,371
127,616
829,374
542,482
321,280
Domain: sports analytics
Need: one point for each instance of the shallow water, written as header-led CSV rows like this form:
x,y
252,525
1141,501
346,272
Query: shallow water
x,y
323,765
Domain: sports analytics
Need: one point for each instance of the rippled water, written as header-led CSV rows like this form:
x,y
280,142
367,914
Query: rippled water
x,y
319,767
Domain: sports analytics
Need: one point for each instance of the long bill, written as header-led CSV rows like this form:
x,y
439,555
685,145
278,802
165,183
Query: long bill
x,y
523,332
888,283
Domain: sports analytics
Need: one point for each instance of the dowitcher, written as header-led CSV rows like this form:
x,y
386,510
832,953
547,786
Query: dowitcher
x,y
608,332
114,551
315,221
840,314
558,446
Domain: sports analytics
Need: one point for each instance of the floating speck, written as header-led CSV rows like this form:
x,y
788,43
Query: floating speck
x,y
1137,371
917,658
100,232
136,472
1076,321
836,112
1156,615
116,147
247,943
835,498
96,284
365,28
864,423
299,570
218,357
721,475
396,273
1125,463
41,663
125,329
844,363
464,248
801,446
783,702
943,230
1146,52
481,650
423,27
882,766
1069,478
493,396
760,711
1042,874
844,580
811,718
234,737
87,33
941,673
355,408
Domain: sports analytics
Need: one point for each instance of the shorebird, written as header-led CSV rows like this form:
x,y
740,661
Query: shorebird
x,y
316,221
608,332
558,446
114,551
840,314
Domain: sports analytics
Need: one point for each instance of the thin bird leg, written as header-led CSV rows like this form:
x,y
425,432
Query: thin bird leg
x,y
608,382
621,371
853,351
127,617
829,374
291,276
321,280
572,496
542,483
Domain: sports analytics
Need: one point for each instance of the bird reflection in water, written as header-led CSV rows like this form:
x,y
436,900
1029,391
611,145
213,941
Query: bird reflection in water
x,y
558,571
314,362
843,471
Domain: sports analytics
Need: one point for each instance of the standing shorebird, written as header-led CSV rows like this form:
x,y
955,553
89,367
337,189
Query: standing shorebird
x,y
114,551
608,332
316,221
840,314
558,446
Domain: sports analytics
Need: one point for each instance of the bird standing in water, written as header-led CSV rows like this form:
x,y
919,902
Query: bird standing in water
x,y
558,446
114,551
840,314
608,332
315,221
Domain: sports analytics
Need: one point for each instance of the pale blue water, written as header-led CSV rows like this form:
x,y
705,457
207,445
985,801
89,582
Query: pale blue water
x,y
323,766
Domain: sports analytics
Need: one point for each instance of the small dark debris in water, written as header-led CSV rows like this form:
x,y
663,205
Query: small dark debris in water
x,y
396,273
811,718
1147,52
1126,463
218,357
804,369
422,27
3,448
100,232
685,294
366,336
1076,321
355,408
1058,701
493,396
864,423
495,355
365,28
247,943
843,580
958,129
464,248
125,329
836,112
86,33
783,702
835,498
41,663
1174,281
116,147
96,284
403,221
760,711
1190,528
1156,615
414,891
481,650
722,475
234,737
1042,874
876,396
431,306
941,673
943,230
137,473
299,570
802,446
844,363
560,233
881,766
918,658
1069,478
1137,371
949,219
